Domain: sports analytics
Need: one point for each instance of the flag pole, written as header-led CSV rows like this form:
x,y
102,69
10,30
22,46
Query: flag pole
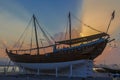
x,y
112,17
108,25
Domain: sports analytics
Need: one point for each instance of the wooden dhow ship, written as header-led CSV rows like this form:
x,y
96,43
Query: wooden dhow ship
x,y
77,50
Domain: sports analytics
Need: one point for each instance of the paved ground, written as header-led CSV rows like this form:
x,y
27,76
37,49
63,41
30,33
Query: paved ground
x,y
42,77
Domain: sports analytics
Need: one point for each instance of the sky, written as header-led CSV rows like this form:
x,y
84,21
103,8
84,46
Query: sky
x,y
15,15
97,13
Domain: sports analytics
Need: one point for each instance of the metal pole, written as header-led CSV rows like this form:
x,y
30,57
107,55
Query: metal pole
x,y
70,71
56,72
23,70
38,71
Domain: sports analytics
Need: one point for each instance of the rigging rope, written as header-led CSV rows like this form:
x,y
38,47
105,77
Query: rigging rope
x,y
41,40
49,41
66,31
50,35
16,44
19,43
23,40
86,24
47,38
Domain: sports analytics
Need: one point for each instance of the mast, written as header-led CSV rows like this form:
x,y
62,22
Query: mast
x,y
36,34
69,16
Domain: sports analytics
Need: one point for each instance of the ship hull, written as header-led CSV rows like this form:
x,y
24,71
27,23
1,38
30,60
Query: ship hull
x,y
61,59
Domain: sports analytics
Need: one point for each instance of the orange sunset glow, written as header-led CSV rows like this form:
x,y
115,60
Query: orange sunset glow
x,y
97,14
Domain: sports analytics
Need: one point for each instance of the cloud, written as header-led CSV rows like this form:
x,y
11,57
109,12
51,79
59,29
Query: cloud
x,y
65,35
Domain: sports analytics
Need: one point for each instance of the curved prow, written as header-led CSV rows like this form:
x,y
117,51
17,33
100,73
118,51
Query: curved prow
x,y
6,50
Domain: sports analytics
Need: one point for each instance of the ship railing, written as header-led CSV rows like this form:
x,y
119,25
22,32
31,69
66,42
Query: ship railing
x,y
16,51
32,50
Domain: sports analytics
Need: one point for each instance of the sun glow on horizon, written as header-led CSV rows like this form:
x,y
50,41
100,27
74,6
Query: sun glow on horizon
x,y
97,14
82,35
